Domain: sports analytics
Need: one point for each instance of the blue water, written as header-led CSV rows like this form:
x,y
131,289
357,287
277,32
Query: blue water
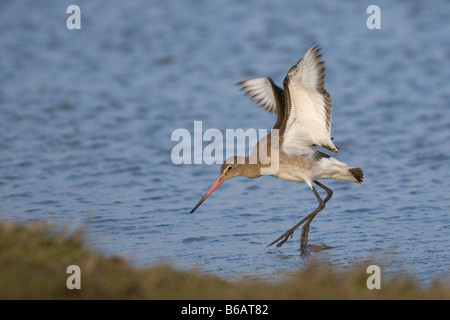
x,y
86,118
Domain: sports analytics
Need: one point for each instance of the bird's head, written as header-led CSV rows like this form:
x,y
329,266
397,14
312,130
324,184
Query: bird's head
x,y
232,167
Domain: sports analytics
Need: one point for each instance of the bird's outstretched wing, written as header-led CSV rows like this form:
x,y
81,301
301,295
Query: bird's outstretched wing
x,y
267,95
307,117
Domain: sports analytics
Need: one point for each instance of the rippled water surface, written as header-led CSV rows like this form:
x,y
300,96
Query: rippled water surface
x,y
86,118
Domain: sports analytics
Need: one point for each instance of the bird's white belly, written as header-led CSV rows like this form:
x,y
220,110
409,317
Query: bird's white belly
x,y
290,173
290,177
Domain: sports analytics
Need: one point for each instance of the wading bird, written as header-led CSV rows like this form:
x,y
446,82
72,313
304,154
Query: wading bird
x,y
303,110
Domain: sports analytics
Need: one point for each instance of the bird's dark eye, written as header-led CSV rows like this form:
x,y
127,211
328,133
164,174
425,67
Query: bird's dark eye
x,y
229,168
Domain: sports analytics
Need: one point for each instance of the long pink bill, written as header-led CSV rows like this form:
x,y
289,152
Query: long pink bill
x,y
216,184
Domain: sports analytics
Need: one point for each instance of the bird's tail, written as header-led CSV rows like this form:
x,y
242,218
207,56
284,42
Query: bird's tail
x,y
332,168
358,174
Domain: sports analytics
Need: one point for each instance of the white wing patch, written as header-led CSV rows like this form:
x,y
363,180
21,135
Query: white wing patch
x,y
309,105
260,90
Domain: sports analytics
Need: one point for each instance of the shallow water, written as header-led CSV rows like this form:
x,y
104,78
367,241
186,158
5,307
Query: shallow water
x,y
87,117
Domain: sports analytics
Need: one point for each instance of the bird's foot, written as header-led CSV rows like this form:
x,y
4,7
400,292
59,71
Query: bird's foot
x,y
283,238
304,252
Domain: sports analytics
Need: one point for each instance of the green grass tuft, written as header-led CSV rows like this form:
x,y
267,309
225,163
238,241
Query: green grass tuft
x,y
34,259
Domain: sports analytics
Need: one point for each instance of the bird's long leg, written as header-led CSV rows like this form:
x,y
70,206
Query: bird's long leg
x,y
284,237
305,228
328,190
